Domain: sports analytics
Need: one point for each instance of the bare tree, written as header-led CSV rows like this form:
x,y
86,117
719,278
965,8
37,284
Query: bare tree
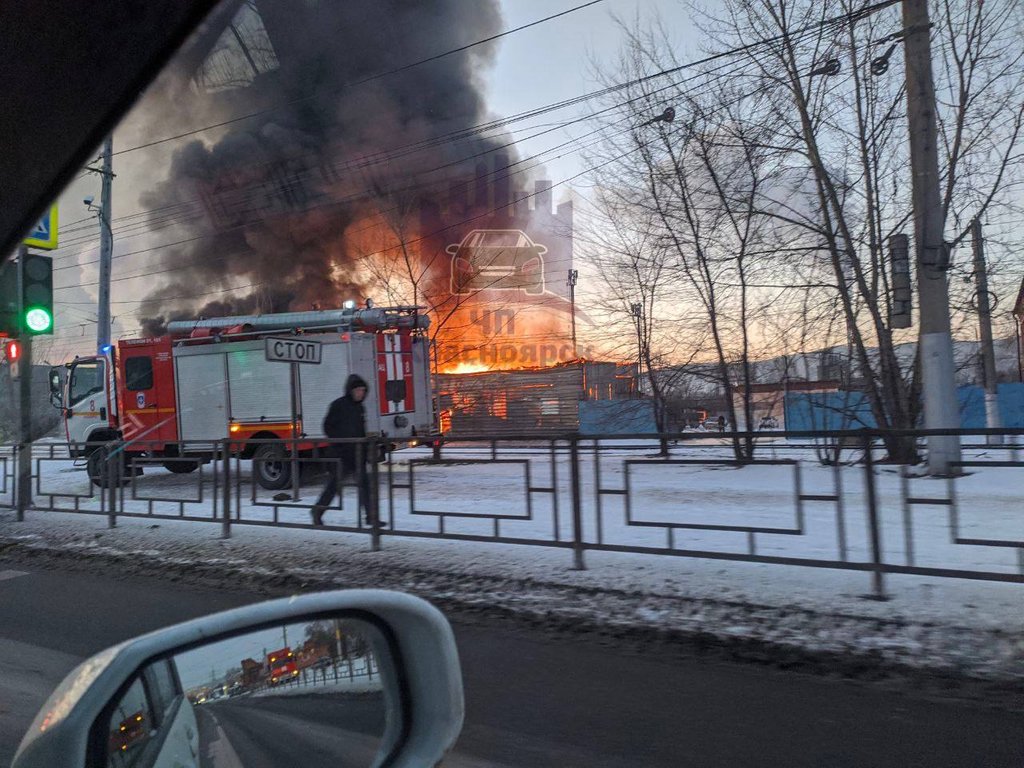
x,y
638,291
690,181
834,115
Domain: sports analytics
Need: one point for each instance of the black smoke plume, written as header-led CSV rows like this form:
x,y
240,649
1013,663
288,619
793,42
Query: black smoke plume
x,y
267,200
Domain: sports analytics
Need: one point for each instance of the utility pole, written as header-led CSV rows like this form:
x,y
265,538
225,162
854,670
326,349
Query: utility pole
x,y
988,352
24,500
936,341
571,282
636,310
106,244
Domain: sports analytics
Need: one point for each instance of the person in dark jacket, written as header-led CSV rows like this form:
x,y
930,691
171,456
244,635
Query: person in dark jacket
x,y
346,418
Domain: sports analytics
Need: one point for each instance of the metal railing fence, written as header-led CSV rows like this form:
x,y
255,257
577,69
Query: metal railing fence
x,y
639,494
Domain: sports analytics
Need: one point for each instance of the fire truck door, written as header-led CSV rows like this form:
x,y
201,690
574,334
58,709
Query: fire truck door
x,y
86,399
149,398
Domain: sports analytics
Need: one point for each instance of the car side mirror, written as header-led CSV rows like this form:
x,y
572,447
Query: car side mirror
x,y
369,677
56,396
452,249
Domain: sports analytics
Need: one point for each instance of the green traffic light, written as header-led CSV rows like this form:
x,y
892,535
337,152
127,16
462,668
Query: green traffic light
x,y
38,320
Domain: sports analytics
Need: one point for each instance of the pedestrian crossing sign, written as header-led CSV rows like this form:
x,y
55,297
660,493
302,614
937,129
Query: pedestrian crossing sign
x,y
44,234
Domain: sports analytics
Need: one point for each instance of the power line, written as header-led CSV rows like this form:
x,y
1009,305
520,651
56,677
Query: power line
x,y
405,243
371,78
464,134
489,213
415,187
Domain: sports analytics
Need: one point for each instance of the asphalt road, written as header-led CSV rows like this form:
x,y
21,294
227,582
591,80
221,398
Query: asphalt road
x,y
291,730
536,701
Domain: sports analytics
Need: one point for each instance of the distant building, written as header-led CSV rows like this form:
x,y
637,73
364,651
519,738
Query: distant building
x,y
252,671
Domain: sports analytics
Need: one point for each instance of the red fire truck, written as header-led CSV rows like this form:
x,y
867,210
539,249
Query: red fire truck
x,y
247,378
281,664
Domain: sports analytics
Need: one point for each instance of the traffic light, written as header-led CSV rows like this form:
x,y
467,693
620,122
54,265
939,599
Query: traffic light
x,y
902,299
12,351
37,294
9,298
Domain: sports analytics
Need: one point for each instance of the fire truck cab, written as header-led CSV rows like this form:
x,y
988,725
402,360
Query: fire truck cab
x,y
177,395
281,666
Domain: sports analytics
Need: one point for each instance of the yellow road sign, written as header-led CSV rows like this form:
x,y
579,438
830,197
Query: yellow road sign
x,y
44,235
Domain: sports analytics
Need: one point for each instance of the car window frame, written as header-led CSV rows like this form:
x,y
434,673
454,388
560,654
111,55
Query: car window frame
x,y
161,717
151,685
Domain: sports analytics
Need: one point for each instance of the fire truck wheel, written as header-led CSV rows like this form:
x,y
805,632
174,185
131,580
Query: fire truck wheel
x,y
181,467
271,466
95,469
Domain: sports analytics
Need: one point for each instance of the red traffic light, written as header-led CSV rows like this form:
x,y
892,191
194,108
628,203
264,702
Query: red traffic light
x,y
12,351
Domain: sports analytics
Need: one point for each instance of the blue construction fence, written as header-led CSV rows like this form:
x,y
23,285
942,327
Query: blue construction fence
x,y
617,417
850,410
805,411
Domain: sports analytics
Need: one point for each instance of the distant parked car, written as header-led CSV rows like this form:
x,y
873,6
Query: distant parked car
x,y
497,260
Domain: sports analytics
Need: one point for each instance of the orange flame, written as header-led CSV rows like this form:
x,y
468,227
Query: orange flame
x,y
467,368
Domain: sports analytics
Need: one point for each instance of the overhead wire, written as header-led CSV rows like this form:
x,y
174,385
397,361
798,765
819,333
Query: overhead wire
x,y
500,123
492,174
514,202
363,81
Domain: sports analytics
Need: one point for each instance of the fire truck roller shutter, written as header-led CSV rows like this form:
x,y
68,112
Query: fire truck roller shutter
x,y
260,390
202,396
423,418
320,385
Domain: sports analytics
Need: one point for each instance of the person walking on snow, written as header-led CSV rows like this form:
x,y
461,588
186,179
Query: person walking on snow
x,y
346,418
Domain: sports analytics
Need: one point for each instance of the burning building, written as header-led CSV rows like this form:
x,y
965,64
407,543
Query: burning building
x,y
530,401
366,169
500,295
308,190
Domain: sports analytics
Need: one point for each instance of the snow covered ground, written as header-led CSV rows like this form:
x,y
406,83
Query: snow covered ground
x,y
930,621
474,495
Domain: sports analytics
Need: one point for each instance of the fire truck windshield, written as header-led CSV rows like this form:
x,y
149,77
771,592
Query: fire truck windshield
x,y
86,379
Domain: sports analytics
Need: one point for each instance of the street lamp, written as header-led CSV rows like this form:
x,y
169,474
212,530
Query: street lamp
x,y
571,281
665,117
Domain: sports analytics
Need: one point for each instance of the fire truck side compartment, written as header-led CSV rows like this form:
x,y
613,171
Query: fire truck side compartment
x,y
259,391
201,381
320,384
218,384
425,418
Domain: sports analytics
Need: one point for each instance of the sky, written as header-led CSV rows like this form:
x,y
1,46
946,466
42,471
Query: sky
x,y
538,66
535,67
569,48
